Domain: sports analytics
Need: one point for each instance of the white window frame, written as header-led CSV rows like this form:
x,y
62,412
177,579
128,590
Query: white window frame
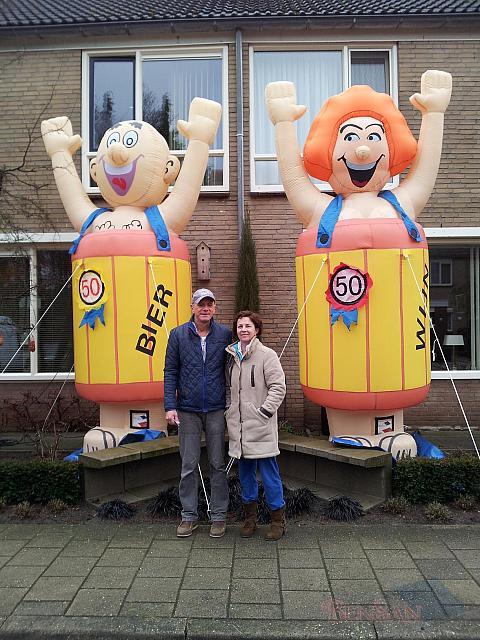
x,y
140,54
346,61
461,237
30,244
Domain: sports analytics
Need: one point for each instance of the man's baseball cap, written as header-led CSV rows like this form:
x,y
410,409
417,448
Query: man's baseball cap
x,y
200,294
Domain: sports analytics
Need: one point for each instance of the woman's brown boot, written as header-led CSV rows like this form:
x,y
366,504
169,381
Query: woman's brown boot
x,y
250,523
277,526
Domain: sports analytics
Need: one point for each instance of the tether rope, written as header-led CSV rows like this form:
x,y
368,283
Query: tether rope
x,y
324,260
407,258
39,320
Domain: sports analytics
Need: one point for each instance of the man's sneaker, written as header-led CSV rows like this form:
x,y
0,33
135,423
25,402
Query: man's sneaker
x,y
186,528
218,528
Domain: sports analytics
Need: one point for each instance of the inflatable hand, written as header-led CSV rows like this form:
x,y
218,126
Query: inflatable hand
x,y
281,102
203,120
436,89
58,136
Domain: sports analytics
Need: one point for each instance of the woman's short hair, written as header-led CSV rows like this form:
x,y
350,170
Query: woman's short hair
x,y
254,317
356,102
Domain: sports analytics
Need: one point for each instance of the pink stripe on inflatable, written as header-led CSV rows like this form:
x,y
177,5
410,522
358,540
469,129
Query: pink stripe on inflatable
x,y
381,401
359,234
331,336
305,320
87,329
367,332
126,392
402,330
122,242
115,321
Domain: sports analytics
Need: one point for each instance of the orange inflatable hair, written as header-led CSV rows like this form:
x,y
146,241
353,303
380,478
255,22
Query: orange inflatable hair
x,y
358,101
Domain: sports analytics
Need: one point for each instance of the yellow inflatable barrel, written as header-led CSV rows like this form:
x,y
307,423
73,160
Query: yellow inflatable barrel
x,y
383,361
136,294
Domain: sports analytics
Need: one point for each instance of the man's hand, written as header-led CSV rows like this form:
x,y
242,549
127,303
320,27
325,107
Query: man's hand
x,y
281,101
436,89
203,120
172,417
58,136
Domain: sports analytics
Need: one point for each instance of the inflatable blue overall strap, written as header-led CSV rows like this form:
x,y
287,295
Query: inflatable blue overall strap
x,y
328,221
159,227
410,226
85,226
330,218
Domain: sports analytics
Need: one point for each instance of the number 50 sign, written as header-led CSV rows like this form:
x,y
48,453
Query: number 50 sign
x,y
91,288
348,287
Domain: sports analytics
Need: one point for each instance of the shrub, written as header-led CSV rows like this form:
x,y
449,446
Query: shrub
x,y
247,290
437,511
23,509
343,508
396,505
465,503
57,505
115,510
3,503
40,481
424,480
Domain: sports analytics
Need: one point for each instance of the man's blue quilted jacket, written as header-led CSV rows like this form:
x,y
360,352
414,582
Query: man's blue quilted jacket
x,y
189,383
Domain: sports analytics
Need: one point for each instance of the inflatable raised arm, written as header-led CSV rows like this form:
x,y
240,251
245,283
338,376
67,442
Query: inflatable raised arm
x,y
363,260
132,275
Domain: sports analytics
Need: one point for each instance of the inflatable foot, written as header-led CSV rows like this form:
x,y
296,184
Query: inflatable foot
x,y
399,444
101,438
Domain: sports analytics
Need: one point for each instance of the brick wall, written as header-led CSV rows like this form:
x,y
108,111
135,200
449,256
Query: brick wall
x,y
33,80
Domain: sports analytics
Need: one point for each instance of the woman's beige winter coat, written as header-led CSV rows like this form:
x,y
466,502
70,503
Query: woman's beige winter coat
x,y
255,389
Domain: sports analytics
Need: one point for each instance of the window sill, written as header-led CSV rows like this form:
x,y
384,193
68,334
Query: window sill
x,y
36,377
456,374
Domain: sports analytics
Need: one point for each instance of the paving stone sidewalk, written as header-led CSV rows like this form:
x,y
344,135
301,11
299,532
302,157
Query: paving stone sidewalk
x,y
104,580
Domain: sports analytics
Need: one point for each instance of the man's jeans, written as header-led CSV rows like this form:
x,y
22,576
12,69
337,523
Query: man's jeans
x,y
189,434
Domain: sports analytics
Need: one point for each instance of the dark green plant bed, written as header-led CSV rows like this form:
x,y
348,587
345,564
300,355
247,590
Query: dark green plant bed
x,y
424,480
40,481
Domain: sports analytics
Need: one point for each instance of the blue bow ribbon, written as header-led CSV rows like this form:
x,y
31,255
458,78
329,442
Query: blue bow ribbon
x,y
91,316
348,317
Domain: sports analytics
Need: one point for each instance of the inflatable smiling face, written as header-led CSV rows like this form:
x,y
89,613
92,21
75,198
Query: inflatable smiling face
x,y
133,165
358,140
361,156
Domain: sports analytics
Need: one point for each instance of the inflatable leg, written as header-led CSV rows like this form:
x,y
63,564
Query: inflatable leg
x,y
372,429
119,419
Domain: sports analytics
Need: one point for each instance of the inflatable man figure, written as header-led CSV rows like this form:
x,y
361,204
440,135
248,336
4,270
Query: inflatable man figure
x,y
362,261
131,272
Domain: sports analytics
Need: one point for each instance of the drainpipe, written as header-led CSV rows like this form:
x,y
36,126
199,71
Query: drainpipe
x,y
240,185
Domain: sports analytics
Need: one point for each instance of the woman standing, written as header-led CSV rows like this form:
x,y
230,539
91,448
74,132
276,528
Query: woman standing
x,y
257,387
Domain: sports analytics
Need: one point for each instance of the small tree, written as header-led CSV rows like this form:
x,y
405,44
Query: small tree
x,y
247,288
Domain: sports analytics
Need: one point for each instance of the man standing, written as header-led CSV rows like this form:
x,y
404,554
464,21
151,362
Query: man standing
x,y
194,385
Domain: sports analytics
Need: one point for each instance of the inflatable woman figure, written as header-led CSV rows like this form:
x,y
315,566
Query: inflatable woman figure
x,y
362,262
132,281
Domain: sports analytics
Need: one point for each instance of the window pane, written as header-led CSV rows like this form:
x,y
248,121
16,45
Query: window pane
x,y
213,173
112,95
451,308
371,68
317,75
14,312
266,172
55,339
169,86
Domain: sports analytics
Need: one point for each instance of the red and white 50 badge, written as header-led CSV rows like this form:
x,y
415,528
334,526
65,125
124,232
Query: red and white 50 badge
x,y
91,288
348,287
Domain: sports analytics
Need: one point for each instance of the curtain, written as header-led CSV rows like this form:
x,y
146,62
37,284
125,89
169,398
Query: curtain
x,y
169,86
316,75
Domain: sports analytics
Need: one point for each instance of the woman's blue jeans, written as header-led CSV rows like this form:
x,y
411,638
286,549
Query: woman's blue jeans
x,y
272,483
